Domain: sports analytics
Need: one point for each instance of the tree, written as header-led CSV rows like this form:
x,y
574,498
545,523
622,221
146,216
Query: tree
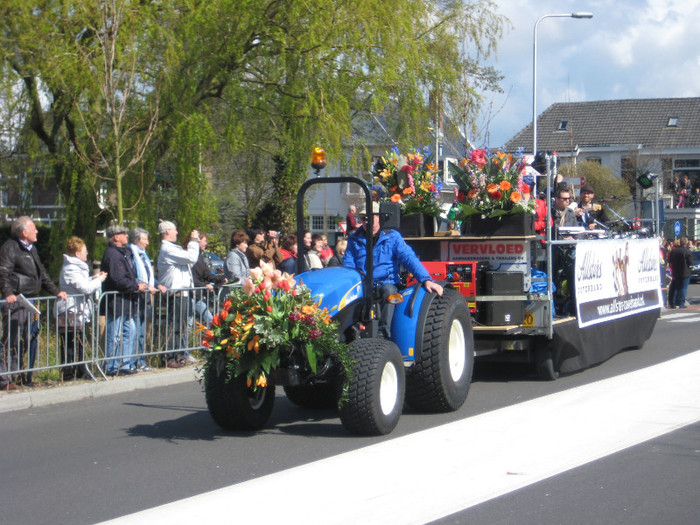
x,y
607,187
109,85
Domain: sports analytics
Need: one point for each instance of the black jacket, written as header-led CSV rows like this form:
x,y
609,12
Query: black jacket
x,y
121,277
681,261
21,271
201,274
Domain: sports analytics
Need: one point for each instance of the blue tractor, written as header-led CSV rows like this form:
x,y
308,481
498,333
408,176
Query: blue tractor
x,y
427,361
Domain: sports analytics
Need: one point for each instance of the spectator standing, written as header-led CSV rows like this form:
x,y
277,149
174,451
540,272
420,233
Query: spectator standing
x,y
337,259
303,250
76,311
21,272
313,256
263,248
120,309
289,255
350,219
138,242
175,273
236,266
326,251
203,278
680,261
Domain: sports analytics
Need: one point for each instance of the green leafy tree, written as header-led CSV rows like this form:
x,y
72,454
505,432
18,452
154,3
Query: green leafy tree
x,y
109,85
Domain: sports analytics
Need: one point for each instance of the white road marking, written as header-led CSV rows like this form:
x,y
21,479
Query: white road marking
x,y
446,469
673,317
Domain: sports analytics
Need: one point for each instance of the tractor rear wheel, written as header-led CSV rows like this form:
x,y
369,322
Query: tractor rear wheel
x,y
376,391
440,378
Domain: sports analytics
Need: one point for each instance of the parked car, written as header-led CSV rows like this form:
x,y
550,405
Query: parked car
x,y
214,262
695,269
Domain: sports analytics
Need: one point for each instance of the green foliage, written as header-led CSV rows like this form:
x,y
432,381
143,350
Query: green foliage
x,y
600,177
131,86
196,208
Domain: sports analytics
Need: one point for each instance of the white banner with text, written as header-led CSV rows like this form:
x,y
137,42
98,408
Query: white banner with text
x,y
616,278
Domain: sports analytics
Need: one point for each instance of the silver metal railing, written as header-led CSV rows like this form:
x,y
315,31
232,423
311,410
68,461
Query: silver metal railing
x,y
90,337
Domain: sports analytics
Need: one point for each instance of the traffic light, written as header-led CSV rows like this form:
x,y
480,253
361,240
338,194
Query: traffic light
x,y
646,180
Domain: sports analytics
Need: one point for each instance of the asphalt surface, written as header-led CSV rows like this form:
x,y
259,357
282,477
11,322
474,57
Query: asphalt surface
x,y
54,393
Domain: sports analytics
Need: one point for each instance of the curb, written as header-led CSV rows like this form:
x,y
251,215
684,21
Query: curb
x,y
25,399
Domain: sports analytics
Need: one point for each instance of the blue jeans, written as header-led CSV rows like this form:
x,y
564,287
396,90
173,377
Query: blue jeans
x,y
202,310
679,289
120,337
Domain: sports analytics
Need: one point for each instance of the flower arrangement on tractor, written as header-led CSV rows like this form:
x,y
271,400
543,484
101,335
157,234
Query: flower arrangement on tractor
x,y
270,318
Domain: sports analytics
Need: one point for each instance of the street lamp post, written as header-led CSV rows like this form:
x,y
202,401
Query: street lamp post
x,y
534,69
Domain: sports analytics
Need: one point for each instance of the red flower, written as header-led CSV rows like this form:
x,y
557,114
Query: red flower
x,y
478,156
496,195
227,304
268,308
216,321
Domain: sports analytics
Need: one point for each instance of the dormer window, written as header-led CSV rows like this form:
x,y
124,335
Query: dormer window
x,y
672,122
563,124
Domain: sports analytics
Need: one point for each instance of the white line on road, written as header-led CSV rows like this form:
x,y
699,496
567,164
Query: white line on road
x,y
433,473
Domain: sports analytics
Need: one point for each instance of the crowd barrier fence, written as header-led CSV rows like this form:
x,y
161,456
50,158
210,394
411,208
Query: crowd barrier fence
x,y
95,336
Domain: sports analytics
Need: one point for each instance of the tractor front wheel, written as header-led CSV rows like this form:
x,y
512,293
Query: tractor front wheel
x,y
234,405
376,391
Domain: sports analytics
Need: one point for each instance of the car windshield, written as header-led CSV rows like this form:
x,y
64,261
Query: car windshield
x,y
696,257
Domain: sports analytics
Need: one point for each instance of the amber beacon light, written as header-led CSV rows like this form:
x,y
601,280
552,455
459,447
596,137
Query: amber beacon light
x,y
318,159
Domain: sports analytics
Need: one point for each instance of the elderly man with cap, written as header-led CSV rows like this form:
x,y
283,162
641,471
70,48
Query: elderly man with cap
x,y
590,214
175,273
121,308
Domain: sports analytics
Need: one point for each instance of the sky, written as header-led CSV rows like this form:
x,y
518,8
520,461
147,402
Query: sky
x,y
630,49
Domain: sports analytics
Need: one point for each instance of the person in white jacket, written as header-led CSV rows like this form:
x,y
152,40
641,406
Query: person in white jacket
x,y
175,273
76,310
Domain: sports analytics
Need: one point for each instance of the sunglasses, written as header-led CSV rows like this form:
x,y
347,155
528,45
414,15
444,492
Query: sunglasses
x,y
564,198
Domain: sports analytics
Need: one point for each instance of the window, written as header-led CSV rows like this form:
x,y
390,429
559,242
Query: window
x,y
318,223
563,125
672,122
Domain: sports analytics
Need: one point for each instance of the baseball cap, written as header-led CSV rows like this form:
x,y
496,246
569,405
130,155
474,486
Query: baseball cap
x,y
587,188
164,226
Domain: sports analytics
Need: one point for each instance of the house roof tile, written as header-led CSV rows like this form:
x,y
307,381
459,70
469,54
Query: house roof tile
x,y
615,122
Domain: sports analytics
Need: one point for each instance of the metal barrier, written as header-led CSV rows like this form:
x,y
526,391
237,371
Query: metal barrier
x,y
115,334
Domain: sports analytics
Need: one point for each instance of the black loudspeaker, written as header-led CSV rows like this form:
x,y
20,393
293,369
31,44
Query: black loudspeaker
x,y
503,283
502,312
390,215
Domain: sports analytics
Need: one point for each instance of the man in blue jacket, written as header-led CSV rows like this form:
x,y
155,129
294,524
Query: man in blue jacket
x,y
390,251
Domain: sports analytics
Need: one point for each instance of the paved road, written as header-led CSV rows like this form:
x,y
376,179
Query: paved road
x,y
107,457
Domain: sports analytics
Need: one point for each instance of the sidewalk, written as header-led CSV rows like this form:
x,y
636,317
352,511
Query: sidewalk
x,y
63,392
